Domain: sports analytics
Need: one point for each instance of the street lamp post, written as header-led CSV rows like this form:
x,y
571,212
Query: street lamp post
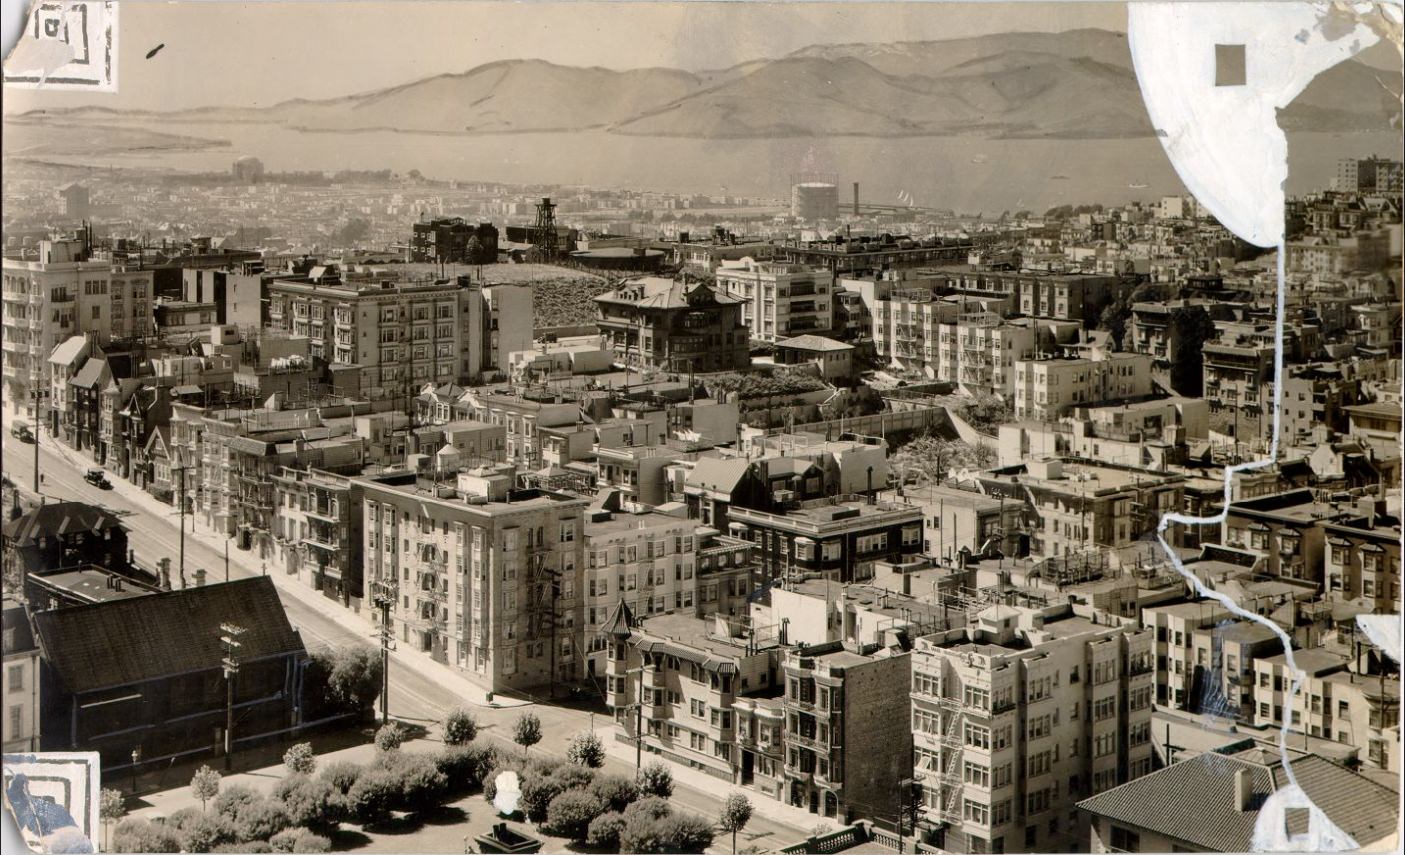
x,y
136,758
231,642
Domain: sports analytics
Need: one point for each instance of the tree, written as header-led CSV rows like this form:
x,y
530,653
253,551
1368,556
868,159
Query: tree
x,y
537,793
389,737
370,799
527,731
205,785
1189,328
684,832
260,820
460,728
1113,320
111,808
656,780
586,749
984,410
300,760
736,812
234,799
307,801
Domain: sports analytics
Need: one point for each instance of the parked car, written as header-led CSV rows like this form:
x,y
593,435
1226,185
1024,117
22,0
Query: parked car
x,y
97,478
21,431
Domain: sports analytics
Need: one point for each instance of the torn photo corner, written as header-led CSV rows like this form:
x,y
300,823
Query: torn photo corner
x,y
66,45
670,426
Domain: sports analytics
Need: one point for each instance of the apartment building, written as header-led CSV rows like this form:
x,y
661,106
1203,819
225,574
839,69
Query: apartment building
x,y
1076,506
779,300
21,681
316,518
956,520
1047,388
1237,372
645,559
676,326
677,681
404,333
482,577
1021,714
840,541
69,290
522,413
1334,703
1205,657
1287,530
1362,560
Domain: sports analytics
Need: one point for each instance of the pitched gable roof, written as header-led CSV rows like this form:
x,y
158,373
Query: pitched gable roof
x,y
1194,800
127,641
53,519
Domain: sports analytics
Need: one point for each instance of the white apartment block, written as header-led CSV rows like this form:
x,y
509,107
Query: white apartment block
x,y
1046,389
1020,715
780,300
647,560
66,292
485,582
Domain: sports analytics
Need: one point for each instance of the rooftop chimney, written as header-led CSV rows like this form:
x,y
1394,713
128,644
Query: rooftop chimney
x,y
1243,790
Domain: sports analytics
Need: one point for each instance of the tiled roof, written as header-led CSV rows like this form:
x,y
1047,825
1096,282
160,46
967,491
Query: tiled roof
x,y
58,518
127,641
814,342
660,293
1194,800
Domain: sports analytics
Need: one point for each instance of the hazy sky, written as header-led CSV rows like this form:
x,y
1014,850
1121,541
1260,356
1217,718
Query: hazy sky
x,y
255,54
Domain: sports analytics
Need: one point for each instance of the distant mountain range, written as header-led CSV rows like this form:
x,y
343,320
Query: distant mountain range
x,y
1077,84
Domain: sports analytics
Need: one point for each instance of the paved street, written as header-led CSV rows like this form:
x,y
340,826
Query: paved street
x,y
421,691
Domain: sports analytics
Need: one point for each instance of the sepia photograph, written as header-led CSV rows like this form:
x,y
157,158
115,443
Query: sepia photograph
x,y
744,428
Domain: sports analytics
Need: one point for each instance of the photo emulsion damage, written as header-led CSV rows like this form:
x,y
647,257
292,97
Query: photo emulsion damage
x,y
681,427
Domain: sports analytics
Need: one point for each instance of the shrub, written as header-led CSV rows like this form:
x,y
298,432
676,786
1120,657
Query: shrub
x,y
651,807
419,783
342,776
464,766
308,801
233,799
571,813
371,797
537,793
310,842
616,791
684,832
205,784
247,846
260,820
183,817
656,780
283,841
573,777
604,832
460,728
641,834
586,749
389,737
300,759
138,835
205,832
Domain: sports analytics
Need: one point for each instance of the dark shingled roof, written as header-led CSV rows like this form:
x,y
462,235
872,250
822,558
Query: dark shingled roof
x,y
127,641
1194,800
56,518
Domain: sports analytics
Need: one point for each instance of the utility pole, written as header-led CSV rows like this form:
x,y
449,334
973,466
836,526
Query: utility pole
x,y
38,428
231,642
181,470
385,598
639,724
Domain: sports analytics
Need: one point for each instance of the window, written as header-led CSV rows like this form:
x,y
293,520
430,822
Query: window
x,y
977,736
976,812
974,773
16,678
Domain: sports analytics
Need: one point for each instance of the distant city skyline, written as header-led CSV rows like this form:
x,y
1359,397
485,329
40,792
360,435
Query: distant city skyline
x,y
260,54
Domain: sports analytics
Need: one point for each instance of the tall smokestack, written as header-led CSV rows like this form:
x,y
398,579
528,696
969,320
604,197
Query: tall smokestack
x,y
856,198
